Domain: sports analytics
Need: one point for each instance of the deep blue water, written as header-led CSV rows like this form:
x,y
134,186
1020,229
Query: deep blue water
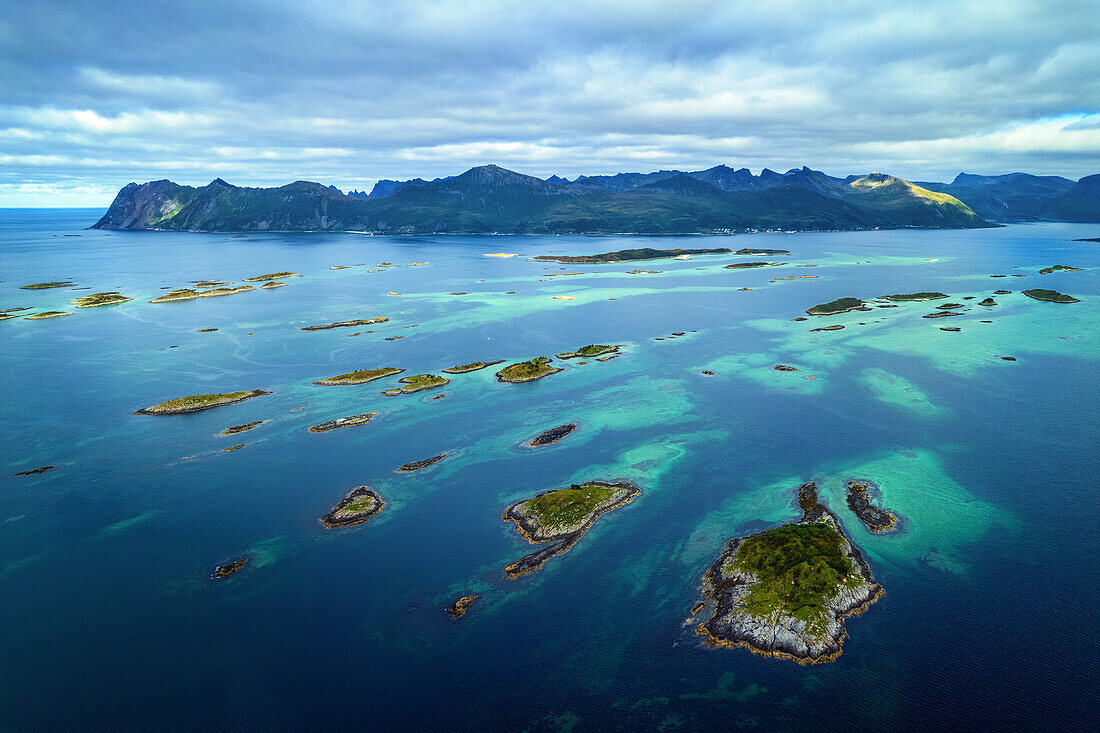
x,y
109,618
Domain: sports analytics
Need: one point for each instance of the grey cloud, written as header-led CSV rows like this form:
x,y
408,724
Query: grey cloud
x,y
98,94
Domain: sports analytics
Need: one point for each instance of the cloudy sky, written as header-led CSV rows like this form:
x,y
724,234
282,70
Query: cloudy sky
x,y
97,94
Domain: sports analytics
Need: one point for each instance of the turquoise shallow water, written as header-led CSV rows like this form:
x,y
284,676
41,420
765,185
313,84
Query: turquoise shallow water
x,y
109,618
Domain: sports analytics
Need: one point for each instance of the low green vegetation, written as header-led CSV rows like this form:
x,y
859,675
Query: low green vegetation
x,y
1051,296
197,402
628,255
1059,268
568,507
526,371
840,305
189,294
271,276
417,383
913,297
750,265
589,351
47,286
112,297
47,314
799,567
471,367
362,376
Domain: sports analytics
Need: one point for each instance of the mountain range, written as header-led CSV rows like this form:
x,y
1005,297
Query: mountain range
x,y
490,199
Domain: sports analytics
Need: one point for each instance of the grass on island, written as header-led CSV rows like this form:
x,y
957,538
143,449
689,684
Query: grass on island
x,y
362,376
271,276
199,400
589,350
799,566
361,503
628,255
908,297
421,381
94,300
189,294
837,306
1052,296
1059,268
526,369
47,286
46,315
473,366
568,507
417,383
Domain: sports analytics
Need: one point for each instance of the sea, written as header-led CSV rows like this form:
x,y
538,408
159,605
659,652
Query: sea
x,y
110,619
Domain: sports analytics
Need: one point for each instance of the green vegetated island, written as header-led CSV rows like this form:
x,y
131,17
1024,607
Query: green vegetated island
x,y
416,383
785,592
199,402
1050,296
1059,268
560,517
362,376
180,294
489,199
48,285
528,371
628,255
590,351
95,300
832,308
471,367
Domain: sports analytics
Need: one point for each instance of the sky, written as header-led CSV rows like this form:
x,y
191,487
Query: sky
x,y
94,95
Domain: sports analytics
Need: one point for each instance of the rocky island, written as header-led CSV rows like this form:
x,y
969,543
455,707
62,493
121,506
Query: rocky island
x,y
361,376
412,466
859,501
357,507
459,608
471,367
350,421
234,429
553,435
224,571
112,297
561,517
199,402
346,324
527,371
628,255
1050,296
785,592
592,350
33,471
416,383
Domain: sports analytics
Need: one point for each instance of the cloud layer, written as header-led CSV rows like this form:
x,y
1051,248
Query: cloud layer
x,y
97,94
